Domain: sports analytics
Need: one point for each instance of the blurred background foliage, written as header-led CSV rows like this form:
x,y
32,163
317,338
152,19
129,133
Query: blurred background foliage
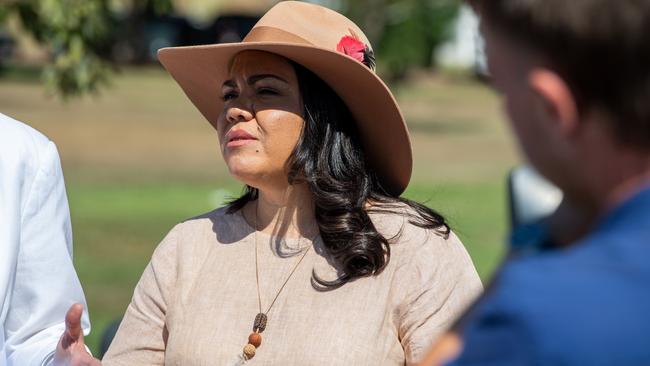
x,y
78,34
406,33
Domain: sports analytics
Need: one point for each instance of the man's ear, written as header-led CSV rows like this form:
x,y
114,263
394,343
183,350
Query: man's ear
x,y
555,100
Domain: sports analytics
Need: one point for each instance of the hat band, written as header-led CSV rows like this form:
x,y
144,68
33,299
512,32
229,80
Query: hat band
x,y
271,34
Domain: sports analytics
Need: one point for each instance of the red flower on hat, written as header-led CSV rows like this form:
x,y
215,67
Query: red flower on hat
x,y
351,47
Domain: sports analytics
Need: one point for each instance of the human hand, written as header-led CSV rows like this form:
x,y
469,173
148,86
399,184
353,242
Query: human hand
x,y
446,349
71,350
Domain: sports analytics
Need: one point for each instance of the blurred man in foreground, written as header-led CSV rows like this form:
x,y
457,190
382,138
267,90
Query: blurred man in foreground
x,y
38,283
575,82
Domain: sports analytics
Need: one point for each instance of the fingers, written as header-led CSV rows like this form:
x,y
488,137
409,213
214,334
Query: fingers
x,y
71,350
447,348
73,323
83,359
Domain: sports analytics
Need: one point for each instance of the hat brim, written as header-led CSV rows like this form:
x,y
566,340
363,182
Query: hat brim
x,y
201,71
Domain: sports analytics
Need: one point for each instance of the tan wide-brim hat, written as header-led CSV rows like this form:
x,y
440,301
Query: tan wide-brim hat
x,y
332,47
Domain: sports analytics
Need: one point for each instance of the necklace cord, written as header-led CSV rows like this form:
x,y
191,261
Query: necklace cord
x,y
257,272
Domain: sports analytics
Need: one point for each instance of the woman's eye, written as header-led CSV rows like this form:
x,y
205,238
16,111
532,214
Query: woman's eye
x,y
229,96
267,91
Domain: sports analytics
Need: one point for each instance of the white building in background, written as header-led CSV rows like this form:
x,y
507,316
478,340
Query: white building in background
x,y
465,48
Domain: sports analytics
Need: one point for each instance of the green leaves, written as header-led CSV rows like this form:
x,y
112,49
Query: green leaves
x,y
405,32
75,32
76,71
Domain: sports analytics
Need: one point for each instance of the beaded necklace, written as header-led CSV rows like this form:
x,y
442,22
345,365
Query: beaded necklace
x,y
261,319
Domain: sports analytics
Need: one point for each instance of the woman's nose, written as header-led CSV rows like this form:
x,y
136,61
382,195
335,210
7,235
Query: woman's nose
x,y
237,114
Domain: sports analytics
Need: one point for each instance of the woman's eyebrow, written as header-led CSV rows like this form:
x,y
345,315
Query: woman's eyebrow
x,y
255,78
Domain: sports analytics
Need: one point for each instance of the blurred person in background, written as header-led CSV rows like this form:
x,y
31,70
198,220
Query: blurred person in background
x,y
575,81
320,261
38,283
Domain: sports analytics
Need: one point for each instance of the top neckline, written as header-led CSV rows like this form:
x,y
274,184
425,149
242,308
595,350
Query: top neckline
x,y
293,244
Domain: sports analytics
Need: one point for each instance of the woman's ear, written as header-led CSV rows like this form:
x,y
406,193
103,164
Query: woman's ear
x,y
556,103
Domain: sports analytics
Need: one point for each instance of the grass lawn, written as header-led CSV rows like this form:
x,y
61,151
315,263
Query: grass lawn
x,y
139,159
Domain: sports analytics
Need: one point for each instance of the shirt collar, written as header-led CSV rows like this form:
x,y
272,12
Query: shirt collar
x,y
633,212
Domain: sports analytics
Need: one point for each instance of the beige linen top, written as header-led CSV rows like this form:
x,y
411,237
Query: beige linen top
x,y
197,299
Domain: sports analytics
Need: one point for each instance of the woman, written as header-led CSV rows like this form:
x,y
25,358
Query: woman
x,y
319,262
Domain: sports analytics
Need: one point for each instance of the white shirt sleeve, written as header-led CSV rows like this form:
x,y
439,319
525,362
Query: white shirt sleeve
x,y
45,284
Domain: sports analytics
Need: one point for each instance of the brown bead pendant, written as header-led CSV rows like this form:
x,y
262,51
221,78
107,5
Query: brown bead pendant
x,y
255,339
260,323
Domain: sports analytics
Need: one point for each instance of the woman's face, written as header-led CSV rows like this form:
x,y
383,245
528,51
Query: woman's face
x,y
262,118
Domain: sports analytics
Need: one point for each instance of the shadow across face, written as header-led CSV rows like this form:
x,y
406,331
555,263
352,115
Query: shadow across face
x,y
262,118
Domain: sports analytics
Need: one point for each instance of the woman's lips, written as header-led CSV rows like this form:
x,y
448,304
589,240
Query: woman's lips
x,y
237,138
237,143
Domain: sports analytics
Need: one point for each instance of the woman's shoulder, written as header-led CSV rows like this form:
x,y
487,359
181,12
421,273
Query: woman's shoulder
x,y
211,221
426,258
205,230
402,225
413,242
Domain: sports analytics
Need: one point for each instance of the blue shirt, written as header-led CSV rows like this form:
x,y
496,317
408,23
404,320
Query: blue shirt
x,y
585,305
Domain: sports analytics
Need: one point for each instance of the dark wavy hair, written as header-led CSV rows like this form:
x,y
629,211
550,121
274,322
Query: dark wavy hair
x,y
329,158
